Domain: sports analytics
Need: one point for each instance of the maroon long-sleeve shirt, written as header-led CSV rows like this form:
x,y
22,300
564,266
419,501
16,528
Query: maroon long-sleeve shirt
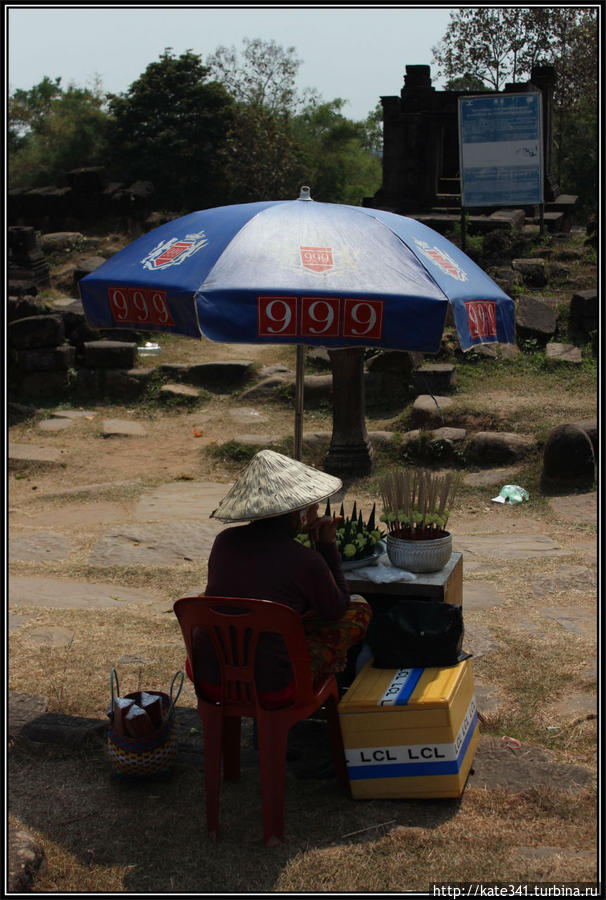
x,y
261,560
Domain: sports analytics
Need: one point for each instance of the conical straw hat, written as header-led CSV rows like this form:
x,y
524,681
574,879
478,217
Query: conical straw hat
x,y
271,485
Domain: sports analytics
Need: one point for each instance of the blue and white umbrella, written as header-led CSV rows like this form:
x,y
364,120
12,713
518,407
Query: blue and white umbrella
x,y
299,271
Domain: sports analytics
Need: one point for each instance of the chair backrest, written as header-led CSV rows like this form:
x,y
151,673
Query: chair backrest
x,y
234,625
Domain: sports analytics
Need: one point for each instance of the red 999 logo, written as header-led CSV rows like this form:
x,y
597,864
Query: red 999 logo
x,y
320,317
138,306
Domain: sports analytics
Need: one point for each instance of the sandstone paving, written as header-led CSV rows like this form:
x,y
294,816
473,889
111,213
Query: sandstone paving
x,y
246,415
48,636
122,428
39,546
497,765
16,621
22,455
576,507
74,413
481,595
507,546
478,639
565,578
155,544
578,704
64,593
29,529
575,619
187,500
55,424
490,477
96,488
489,697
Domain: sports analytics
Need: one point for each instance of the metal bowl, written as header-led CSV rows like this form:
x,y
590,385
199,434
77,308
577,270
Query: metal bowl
x,y
347,564
419,556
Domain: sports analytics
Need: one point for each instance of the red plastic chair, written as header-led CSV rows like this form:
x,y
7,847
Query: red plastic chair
x,y
234,636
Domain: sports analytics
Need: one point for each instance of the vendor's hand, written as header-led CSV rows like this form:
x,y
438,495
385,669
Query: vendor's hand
x,y
323,530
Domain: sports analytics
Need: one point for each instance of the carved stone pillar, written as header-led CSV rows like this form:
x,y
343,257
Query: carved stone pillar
x,y
350,451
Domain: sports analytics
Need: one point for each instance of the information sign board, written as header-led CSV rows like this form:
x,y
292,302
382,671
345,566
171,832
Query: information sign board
x,y
501,149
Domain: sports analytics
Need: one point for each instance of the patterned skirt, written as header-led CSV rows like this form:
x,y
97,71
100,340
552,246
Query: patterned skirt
x,y
329,641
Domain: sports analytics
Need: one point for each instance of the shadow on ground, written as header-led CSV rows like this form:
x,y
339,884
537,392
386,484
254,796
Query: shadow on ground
x,y
64,791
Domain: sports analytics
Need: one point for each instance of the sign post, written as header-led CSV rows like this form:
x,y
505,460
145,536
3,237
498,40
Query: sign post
x,y
501,150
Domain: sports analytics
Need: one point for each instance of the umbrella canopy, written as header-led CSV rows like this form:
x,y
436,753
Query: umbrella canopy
x,y
298,271
302,272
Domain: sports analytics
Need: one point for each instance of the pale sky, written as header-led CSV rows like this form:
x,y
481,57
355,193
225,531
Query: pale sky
x,y
358,53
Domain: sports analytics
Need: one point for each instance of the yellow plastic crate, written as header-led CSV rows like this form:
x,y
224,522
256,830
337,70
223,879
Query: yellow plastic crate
x,y
409,733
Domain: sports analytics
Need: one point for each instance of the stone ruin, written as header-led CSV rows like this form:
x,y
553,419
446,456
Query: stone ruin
x,y
421,157
86,199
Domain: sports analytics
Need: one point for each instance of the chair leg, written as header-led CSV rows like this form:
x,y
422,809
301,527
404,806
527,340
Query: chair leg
x,y
336,741
212,726
231,748
272,766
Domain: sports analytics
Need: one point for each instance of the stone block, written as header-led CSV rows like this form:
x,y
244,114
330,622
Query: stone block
x,y
60,240
492,448
179,393
218,374
36,331
583,317
564,353
122,428
434,378
506,278
513,217
428,410
590,427
269,387
535,320
81,334
43,384
568,455
85,267
451,435
46,360
89,381
24,307
127,384
26,860
532,271
110,355
394,362
18,287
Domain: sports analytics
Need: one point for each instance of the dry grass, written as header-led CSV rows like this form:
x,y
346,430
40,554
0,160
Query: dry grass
x,y
107,835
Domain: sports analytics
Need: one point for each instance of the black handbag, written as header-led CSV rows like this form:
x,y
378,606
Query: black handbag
x,y
417,633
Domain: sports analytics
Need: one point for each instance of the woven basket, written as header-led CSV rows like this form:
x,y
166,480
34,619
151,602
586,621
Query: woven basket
x,y
153,755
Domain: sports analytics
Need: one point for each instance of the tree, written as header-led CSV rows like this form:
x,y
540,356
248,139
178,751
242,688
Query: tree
x,y
466,82
500,44
264,77
259,158
168,129
52,130
337,157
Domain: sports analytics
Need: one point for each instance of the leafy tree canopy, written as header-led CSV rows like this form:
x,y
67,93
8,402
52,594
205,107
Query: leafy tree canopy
x,y
467,82
52,129
168,127
502,44
337,160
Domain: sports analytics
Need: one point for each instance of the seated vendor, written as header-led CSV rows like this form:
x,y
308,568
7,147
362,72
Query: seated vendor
x,y
278,498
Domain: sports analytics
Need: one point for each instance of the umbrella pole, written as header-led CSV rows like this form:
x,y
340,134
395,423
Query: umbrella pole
x,y
299,384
